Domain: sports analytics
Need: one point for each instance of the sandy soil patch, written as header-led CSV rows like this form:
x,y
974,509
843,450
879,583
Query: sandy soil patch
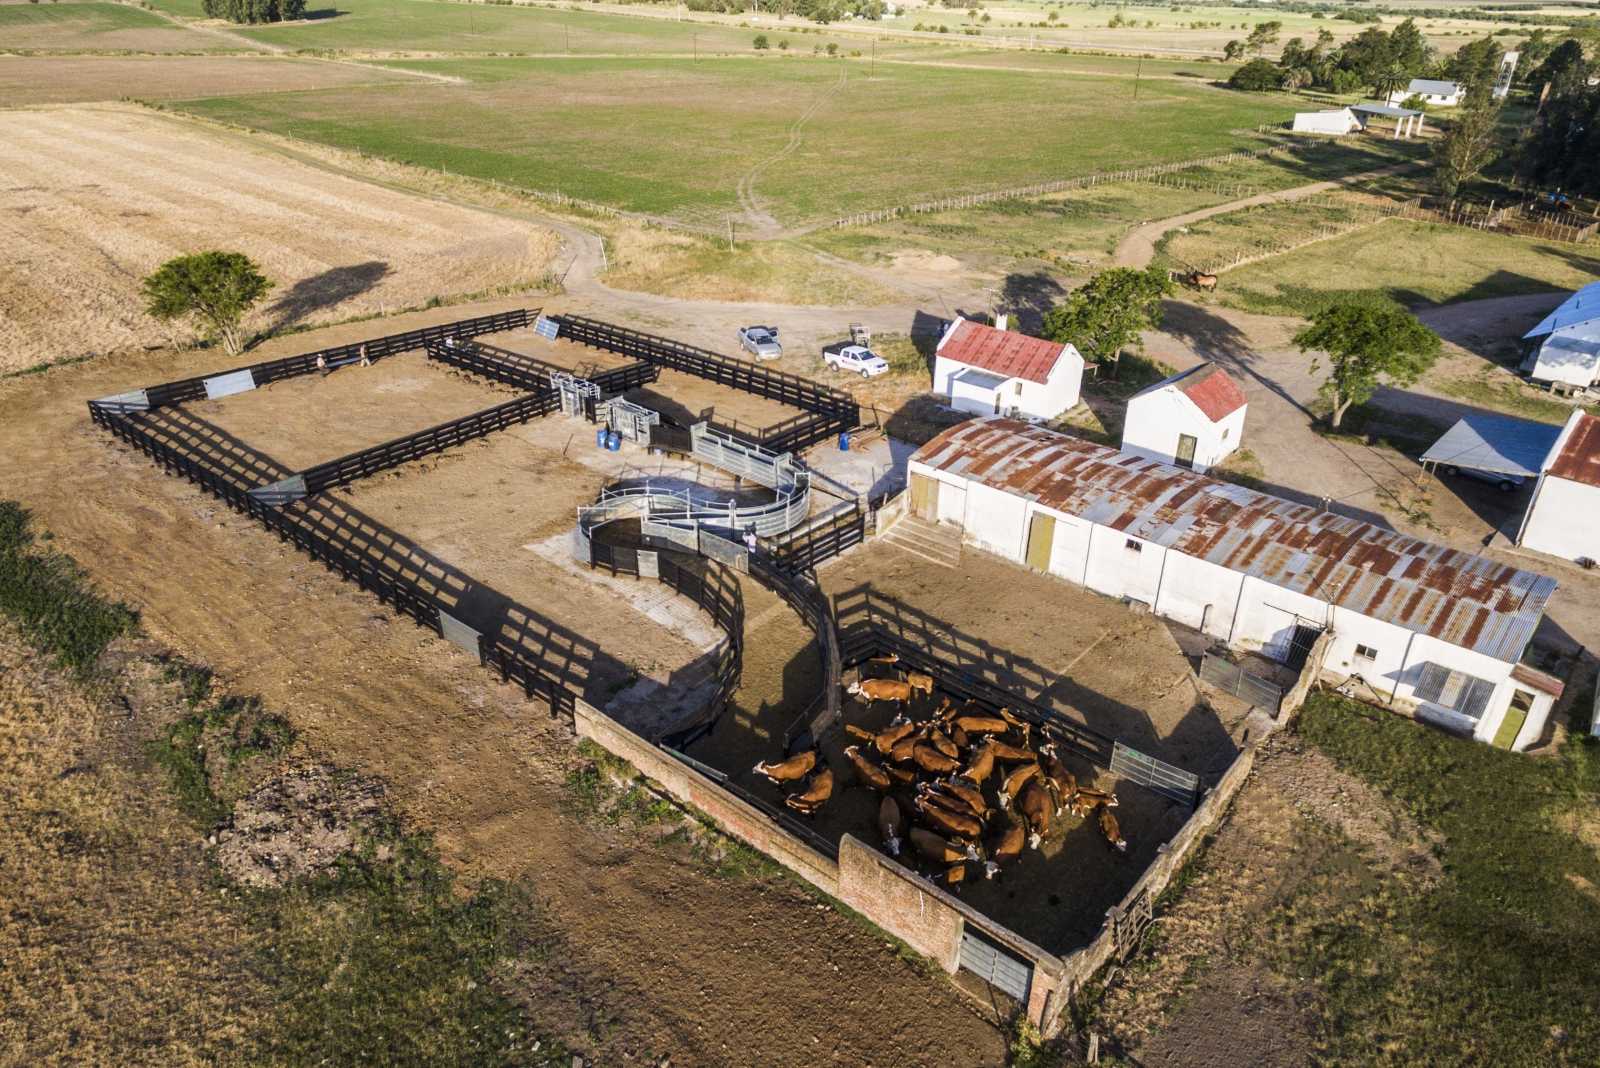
x,y
91,200
33,80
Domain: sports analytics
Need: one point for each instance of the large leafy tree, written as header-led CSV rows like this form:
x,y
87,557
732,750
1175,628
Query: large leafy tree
x,y
1107,313
1564,149
213,288
1367,341
1475,65
1410,49
1467,147
254,11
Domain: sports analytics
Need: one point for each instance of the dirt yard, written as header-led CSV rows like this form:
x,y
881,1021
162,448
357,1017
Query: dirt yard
x,y
657,956
94,198
32,80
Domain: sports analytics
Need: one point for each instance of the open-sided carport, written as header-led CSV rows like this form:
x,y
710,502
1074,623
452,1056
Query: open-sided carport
x,y
1493,445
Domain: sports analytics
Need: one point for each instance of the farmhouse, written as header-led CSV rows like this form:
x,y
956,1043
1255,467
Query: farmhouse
x,y
992,371
1433,629
1563,351
1438,94
1338,122
1193,419
1563,519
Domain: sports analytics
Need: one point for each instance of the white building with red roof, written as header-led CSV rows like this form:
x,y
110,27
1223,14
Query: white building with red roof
x,y
1563,518
991,371
1193,419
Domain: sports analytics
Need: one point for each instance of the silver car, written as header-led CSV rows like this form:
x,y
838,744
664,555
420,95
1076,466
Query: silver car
x,y
761,342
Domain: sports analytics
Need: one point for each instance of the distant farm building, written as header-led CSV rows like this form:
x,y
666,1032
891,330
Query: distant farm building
x,y
1432,629
1563,519
1193,419
1563,351
1433,93
991,371
1338,122
1407,121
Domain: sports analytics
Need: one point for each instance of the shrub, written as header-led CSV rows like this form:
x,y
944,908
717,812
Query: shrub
x,y
1257,76
255,11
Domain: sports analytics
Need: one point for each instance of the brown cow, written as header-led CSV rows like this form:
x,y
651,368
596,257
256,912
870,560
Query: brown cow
x,y
791,770
1021,726
1109,828
1034,805
982,724
903,776
889,658
960,737
1202,281
954,875
1086,801
1012,754
931,760
956,787
869,772
870,690
883,740
949,822
953,805
904,750
919,682
940,741
980,767
941,851
1007,847
816,793
1066,782
1013,784
891,825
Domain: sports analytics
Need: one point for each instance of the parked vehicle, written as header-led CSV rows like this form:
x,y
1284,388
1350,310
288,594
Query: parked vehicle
x,y
1503,482
858,360
761,342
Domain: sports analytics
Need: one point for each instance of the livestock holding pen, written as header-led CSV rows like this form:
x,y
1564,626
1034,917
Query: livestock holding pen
x,y
345,512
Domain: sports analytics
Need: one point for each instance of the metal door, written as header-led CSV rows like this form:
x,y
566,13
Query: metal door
x,y
1300,643
1186,447
1041,536
995,966
924,498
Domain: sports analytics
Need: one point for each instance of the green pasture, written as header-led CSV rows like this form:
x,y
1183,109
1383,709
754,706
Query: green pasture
x,y
674,137
193,9
439,26
93,27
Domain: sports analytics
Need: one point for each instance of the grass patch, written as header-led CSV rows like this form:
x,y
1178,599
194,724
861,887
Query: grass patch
x,y
50,598
210,753
1501,393
1414,263
1498,963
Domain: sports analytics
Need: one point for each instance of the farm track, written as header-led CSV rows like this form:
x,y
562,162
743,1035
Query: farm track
x,y
762,220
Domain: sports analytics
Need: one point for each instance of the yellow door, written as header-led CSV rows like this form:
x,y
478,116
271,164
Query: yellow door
x,y
924,497
1516,716
1041,536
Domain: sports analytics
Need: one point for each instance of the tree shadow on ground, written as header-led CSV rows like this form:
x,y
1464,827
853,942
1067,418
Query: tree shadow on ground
x,y
1217,340
1029,296
326,290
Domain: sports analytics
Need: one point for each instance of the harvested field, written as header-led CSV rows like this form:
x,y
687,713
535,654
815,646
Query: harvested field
x,y
96,27
29,80
656,955
93,199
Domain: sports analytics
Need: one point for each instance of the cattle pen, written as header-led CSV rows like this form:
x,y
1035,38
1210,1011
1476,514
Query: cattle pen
x,y
506,606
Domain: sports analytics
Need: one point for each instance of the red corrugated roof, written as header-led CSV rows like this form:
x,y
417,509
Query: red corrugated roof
x,y
1212,391
1579,459
1002,351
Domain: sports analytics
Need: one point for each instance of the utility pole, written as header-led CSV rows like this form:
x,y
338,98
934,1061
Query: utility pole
x,y
1137,72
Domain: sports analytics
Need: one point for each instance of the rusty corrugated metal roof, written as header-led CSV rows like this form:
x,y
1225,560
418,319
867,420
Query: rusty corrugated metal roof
x,y
1579,458
1458,597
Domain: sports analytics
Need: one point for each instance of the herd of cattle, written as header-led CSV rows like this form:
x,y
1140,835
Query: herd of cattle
x,y
963,787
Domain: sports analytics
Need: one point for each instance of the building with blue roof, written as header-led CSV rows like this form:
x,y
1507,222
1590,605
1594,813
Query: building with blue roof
x,y
1563,351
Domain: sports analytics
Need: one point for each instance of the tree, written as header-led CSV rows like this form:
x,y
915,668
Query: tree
x,y
1105,315
1563,67
1389,79
1366,340
1256,76
1264,34
1475,66
760,43
1409,48
215,288
1233,50
254,11
1564,150
1467,147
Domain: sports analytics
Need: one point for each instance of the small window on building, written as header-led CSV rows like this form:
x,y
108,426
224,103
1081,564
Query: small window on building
x,y
1521,700
1365,652
1019,387
1454,690
1134,546
1224,433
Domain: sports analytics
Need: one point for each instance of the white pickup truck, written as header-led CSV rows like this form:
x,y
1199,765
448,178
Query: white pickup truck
x,y
856,359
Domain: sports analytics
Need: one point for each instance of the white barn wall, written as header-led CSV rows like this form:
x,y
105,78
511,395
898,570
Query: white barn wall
x,y
996,520
1564,518
1155,420
1199,594
1267,611
1118,571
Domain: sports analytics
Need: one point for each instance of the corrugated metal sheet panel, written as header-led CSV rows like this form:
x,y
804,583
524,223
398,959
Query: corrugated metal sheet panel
x,y
1458,597
1579,458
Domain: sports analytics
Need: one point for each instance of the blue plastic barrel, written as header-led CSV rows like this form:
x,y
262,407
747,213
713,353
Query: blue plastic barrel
x,y
600,437
614,441
844,441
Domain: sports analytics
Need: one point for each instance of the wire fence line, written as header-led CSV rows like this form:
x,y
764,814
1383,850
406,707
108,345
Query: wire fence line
x,y
1087,181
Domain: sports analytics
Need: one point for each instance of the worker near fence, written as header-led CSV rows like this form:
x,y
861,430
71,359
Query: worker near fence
x,y
750,540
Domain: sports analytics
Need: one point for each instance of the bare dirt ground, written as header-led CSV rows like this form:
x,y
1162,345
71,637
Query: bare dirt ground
x,y
92,199
1209,989
28,81
658,957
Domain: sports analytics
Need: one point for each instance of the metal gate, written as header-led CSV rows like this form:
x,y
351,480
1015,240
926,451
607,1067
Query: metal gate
x,y
1233,678
995,966
1158,775
1300,643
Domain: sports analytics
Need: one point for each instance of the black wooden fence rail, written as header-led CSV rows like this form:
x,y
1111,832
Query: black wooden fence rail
x,y
188,389
802,594
523,372
863,642
292,525
803,548
370,461
833,410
